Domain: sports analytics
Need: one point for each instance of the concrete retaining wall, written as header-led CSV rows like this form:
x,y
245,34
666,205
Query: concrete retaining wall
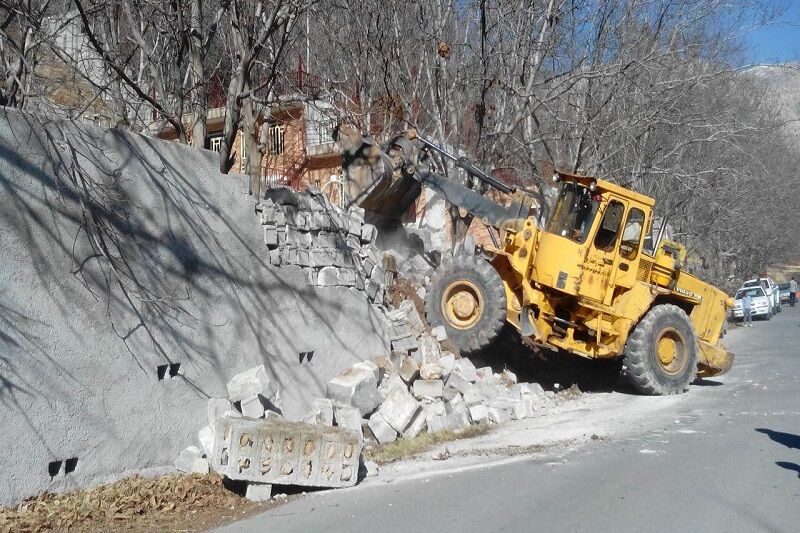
x,y
123,260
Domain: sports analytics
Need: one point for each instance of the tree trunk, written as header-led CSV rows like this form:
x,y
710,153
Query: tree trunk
x,y
199,97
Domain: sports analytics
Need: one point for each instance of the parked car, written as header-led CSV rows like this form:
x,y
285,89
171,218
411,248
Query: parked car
x,y
760,303
770,289
784,288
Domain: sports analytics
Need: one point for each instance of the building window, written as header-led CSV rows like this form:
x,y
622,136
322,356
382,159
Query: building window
x,y
215,143
276,137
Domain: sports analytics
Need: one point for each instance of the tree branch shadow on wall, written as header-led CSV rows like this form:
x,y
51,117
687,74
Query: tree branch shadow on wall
x,y
146,244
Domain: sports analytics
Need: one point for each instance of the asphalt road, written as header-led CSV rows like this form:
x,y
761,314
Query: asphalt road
x,y
726,459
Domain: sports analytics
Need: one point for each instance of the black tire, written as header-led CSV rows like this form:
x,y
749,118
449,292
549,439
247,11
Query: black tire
x,y
646,370
479,280
768,316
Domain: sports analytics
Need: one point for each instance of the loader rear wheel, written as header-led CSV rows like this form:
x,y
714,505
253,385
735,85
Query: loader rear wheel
x,y
467,297
661,352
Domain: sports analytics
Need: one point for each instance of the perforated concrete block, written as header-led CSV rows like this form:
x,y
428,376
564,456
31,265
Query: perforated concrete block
x,y
286,453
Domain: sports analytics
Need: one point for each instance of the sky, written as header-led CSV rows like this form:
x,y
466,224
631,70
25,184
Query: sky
x,y
779,42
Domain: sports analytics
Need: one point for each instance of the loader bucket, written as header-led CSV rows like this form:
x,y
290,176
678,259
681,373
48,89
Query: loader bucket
x,y
712,360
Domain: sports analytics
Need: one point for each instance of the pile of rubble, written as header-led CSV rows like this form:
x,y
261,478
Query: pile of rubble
x,y
247,439
421,386
334,247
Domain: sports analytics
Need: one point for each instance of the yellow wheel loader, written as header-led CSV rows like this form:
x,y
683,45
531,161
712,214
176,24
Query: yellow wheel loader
x,y
593,280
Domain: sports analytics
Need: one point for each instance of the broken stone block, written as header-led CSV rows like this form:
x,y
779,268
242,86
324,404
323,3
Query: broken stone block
x,y
429,349
439,333
186,459
424,388
449,393
328,276
252,407
258,492
404,343
386,365
347,417
217,407
414,319
484,374
498,412
459,382
409,369
430,371
356,213
371,468
473,397
381,429
373,290
357,387
534,404
206,438
479,414
378,275
323,411
531,389
447,361
455,404
286,453
399,408
389,383
369,233
371,367
451,422
417,425
467,369
200,466
249,383
518,409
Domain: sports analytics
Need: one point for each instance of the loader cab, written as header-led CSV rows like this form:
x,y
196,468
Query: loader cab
x,y
593,241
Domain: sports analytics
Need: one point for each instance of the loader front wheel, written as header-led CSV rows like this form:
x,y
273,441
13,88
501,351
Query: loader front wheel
x,y
661,352
467,297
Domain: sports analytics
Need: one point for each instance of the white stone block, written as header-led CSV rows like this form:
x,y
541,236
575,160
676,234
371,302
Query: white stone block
x,y
217,407
249,383
479,414
439,333
347,417
459,382
357,387
206,438
431,371
467,369
258,492
428,388
186,459
518,409
399,408
384,433
253,407
416,426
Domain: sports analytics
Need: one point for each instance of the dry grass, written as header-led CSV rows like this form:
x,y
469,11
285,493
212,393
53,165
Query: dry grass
x,y
174,502
404,448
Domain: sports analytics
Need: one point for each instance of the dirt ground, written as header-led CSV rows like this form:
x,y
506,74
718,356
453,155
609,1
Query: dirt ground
x,y
174,502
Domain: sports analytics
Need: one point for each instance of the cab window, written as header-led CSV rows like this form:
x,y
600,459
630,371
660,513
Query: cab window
x,y
609,226
629,245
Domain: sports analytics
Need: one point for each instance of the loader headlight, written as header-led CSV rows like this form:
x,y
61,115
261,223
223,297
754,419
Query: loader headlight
x,y
556,178
593,186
